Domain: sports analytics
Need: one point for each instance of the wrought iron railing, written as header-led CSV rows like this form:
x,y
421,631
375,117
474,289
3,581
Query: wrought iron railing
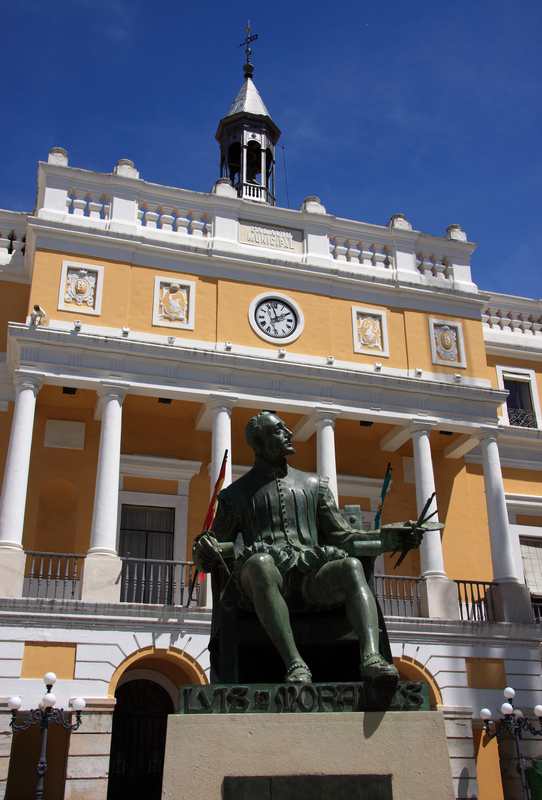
x,y
52,575
398,596
521,418
151,580
476,601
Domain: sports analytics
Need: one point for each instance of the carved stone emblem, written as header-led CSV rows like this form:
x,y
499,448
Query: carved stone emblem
x,y
369,332
173,302
446,342
80,287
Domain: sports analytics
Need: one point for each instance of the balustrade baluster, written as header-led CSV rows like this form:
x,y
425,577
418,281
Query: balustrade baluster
x,y
57,577
74,575
31,576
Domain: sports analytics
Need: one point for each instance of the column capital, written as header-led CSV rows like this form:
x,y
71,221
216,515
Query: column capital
x,y
28,380
421,426
491,434
323,414
215,401
116,389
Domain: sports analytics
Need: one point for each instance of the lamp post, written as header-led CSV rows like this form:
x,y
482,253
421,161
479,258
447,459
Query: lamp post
x,y
513,722
45,714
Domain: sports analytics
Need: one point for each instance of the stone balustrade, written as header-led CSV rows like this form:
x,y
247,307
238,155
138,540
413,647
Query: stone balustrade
x,y
365,254
518,320
122,203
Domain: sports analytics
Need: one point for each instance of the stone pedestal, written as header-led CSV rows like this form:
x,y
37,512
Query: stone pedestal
x,y
513,603
438,597
12,563
202,750
101,579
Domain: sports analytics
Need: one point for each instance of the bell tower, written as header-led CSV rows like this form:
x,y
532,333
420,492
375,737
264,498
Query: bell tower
x,y
247,136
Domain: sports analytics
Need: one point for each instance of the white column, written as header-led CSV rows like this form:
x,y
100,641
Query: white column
x,y
326,464
502,553
13,500
432,561
103,537
221,437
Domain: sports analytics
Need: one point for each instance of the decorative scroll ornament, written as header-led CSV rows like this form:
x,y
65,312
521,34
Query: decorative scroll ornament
x,y
173,302
370,332
80,287
446,342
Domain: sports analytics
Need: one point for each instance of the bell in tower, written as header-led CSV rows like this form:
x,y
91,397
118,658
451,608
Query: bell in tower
x,y
247,136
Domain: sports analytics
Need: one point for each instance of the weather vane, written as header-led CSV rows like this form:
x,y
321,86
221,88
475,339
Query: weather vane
x,y
248,66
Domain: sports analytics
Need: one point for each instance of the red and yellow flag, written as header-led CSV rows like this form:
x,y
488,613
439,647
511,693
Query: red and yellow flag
x,y
212,505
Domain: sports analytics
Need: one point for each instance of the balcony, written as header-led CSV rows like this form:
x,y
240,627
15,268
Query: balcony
x,y
53,576
150,580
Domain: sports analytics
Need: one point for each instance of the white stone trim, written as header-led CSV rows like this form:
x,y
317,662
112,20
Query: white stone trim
x,y
275,339
160,468
64,433
94,310
461,361
186,324
523,504
525,376
366,349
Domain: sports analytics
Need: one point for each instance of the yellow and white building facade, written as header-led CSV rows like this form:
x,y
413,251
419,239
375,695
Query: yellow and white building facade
x,y
141,327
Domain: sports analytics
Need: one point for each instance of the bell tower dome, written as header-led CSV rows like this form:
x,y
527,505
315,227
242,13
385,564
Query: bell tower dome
x,y
247,136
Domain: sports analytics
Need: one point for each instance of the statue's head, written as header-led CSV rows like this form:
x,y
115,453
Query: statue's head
x,y
269,437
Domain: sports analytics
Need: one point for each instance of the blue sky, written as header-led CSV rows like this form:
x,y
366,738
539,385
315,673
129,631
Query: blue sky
x,y
427,108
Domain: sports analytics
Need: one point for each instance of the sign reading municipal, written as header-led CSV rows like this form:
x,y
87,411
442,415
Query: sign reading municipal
x,y
275,238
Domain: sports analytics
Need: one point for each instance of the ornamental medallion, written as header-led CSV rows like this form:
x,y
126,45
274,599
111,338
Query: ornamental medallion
x,y
80,287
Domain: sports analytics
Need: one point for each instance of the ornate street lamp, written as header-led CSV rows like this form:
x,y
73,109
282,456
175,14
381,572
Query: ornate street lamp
x,y
45,714
513,722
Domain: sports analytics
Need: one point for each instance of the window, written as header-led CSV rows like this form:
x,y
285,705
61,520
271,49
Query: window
x,y
522,407
146,538
531,553
519,404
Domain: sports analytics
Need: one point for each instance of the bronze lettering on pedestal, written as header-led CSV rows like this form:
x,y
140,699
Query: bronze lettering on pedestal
x,y
304,698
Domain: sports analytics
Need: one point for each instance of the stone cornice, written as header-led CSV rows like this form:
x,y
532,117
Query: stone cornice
x,y
194,371
232,260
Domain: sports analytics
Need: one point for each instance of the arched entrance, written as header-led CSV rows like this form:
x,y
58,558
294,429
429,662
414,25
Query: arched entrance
x,y
138,741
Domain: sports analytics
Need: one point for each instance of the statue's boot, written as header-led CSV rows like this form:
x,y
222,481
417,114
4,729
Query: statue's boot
x,y
298,673
376,669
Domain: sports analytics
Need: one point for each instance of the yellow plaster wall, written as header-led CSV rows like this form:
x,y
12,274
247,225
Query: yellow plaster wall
x,y
115,297
141,304
42,657
13,307
522,481
152,485
52,464
488,769
486,673
5,430
419,345
531,520
221,313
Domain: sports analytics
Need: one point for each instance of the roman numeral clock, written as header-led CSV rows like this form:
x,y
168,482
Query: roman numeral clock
x,y
276,318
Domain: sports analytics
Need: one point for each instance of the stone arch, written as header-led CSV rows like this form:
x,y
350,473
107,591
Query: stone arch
x,y
411,670
177,666
56,524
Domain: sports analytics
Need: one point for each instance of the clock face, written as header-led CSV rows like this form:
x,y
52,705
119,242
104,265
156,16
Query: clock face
x,y
275,318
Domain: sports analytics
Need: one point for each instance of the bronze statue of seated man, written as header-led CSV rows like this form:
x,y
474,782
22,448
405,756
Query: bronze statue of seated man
x,y
299,552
